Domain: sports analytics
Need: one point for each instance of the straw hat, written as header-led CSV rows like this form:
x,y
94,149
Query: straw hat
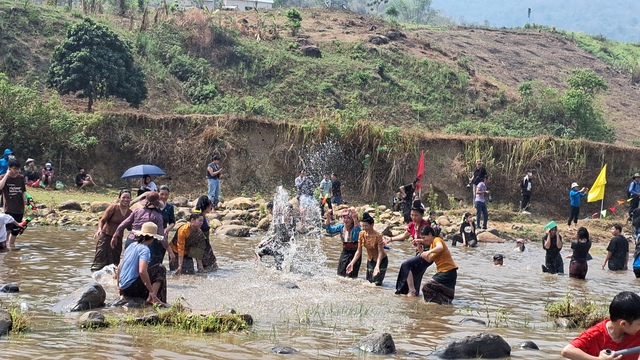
x,y
148,229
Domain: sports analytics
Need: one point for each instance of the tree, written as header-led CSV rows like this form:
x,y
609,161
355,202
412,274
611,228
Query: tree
x,y
94,63
294,19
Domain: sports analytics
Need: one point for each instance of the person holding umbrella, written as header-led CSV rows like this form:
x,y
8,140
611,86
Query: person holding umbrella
x,y
147,185
144,171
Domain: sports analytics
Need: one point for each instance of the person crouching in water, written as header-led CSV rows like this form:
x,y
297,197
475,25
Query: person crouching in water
x,y
467,232
349,232
188,240
441,288
135,278
578,266
277,244
377,260
520,247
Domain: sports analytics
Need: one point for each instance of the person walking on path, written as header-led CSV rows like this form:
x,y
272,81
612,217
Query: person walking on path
x,y
633,192
525,186
480,203
552,244
617,251
575,196
213,177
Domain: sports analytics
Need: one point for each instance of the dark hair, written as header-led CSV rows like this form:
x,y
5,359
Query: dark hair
x,y
415,181
618,227
366,217
13,163
215,157
203,203
80,168
498,257
124,191
466,215
334,174
417,206
195,216
625,306
164,187
583,233
145,177
427,230
270,205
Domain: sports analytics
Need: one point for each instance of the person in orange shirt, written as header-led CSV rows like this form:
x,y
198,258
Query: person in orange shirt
x,y
441,288
189,240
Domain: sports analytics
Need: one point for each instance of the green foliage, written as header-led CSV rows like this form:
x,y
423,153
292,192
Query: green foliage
x,y
583,313
414,11
586,80
93,62
392,11
294,19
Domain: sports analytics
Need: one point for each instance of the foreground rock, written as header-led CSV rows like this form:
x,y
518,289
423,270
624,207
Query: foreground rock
x,y
5,322
91,319
378,343
91,296
529,345
283,350
10,288
482,345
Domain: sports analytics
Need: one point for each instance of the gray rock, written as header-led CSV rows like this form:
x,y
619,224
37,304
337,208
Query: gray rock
x,y
9,288
149,319
70,205
384,229
264,223
530,345
378,343
289,285
91,319
91,296
481,345
233,230
180,201
130,302
379,40
311,51
234,214
99,206
566,323
283,350
5,322
395,35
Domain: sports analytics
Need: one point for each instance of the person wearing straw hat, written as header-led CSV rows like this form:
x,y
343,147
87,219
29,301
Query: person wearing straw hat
x,y
135,277
575,196
633,192
30,172
552,244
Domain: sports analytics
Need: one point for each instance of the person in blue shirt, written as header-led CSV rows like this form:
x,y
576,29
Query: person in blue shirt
x,y
633,192
4,161
575,196
349,232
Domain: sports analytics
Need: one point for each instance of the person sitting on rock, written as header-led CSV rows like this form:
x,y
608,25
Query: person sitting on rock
x,y
467,232
135,278
188,240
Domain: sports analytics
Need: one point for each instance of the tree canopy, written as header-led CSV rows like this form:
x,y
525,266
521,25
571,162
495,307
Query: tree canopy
x,y
94,63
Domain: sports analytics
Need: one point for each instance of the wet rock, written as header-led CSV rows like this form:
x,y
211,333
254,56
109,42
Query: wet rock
x,y
241,203
379,40
566,323
494,231
233,230
130,302
91,296
473,321
148,319
285,350
91,319
180,201
378,343
529,345
311,51
384,229
481,345
488,237
9,288
289,285
182,212
70,205
98,206
5,322
264,223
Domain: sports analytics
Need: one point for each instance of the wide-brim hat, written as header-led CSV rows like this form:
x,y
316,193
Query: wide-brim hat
x,y
574,185
636,175
29,160
148,229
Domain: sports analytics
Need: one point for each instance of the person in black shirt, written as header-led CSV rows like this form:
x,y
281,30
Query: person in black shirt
x,y
525,187
83,180
617,251
578,266
406,193
552,244
336,190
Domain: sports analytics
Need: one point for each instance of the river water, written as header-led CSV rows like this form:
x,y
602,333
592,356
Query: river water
x,y
323,319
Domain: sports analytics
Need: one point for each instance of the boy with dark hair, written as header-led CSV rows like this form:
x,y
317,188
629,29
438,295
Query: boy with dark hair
x,y
616,333
13,190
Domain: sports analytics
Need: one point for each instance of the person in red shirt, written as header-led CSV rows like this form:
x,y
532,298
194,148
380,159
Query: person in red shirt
x,y
617,333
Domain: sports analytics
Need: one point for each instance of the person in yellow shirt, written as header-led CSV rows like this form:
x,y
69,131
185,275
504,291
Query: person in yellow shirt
x,y
189,240
441,287
377,260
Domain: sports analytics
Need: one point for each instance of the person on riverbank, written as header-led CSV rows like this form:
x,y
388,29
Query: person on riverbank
x,y
108,252
377,260
575,196
411,270
578,266
30,173
47,176
214,170
167,210
136,276
4,161
618,332
205,206
617,251
188,240
634,218
148,213
14,198
325,192
407,194
336,190
441,288
83,180
636,261
479,173
481,204
147,185
525,191
349,232
633,192
552,244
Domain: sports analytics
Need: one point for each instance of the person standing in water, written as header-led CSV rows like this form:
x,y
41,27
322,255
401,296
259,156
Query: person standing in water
x,y
441,288
552,244
349,232
377,260
578,266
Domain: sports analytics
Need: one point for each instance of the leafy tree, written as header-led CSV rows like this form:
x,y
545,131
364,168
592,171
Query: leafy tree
x,y
392,11
294,19
94,63
580,109
415,11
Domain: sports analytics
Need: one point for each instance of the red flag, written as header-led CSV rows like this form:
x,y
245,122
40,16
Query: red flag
x,y
612,209
420,171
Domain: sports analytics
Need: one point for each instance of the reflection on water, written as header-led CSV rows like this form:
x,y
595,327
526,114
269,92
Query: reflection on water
x,y
323,318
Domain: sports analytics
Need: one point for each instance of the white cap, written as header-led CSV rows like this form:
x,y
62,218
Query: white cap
x,y
575,184
30,160
49,165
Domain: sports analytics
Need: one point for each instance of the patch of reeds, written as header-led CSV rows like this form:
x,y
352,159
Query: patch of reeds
x,y
20,321
583,313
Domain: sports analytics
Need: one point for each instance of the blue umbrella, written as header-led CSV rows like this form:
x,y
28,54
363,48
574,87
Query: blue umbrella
x,y
140,171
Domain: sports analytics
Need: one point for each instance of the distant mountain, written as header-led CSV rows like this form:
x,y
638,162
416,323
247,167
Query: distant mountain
x,y
618,20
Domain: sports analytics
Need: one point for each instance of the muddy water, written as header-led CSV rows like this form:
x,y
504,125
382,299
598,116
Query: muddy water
x,y
323,319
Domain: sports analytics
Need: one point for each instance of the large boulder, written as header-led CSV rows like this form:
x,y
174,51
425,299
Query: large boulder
x,y
311,51
180,201
488,237
91,296
235,214
384,229
233,230
378,343
91,319
481,345
241,203
98,206
70,205
264,223
5,322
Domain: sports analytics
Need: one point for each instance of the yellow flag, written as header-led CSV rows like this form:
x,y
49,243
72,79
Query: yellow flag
x,y
597,190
